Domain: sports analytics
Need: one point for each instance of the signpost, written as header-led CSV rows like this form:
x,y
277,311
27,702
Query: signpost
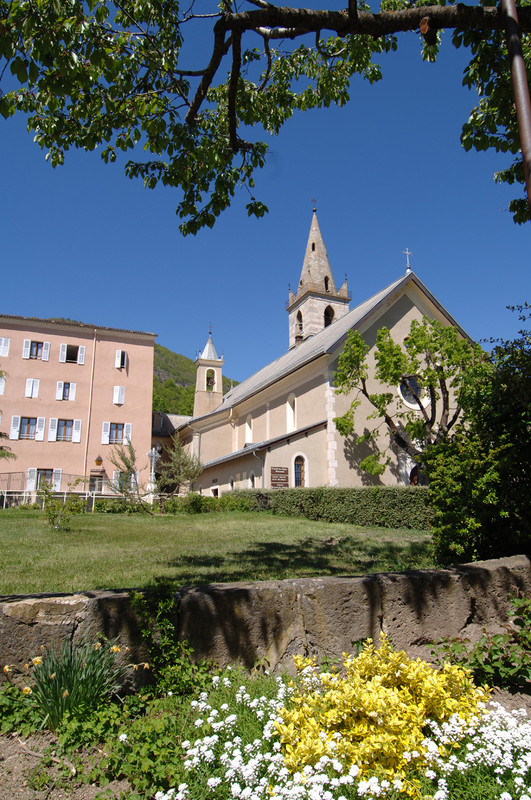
x,y
279,478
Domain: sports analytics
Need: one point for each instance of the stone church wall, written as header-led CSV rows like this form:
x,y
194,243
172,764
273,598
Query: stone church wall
x,y
271,621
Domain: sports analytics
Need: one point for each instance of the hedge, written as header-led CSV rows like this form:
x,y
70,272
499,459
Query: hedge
x,y
385,507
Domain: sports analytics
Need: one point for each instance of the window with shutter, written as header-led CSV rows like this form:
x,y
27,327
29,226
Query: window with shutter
x,y
56,480
105,432
39,431
52,429
28,427
46,351
4,346
62,353
2,383
59,390
31,481
15,428
118,395
128,432
32,387
76,431
120,359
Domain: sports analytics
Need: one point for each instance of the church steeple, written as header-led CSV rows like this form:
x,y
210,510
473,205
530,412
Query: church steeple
x,y
317,302
209,380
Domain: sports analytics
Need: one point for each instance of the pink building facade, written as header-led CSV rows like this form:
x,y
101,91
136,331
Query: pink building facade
x,y
69,395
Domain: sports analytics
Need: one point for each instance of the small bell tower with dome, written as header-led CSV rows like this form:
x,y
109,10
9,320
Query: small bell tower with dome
x,y
316,303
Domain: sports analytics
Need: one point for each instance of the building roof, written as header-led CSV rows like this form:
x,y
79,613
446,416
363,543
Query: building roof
x,y
209,351
324,342
66,323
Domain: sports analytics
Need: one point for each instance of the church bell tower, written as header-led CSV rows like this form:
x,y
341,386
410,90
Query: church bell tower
x,y
209,380
317,303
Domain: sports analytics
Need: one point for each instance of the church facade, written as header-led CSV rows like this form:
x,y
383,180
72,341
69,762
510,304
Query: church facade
x,y
276,429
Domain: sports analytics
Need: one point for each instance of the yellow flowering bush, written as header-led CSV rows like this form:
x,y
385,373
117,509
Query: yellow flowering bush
x,y
373,713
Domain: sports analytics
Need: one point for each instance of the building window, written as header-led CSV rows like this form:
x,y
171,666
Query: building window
x,y
120,359
328,316
65,391
28,426
299,471
4,346
124,481
44,478
210,380
72,354
412,392
231,484
299,324
251,480
116,433
96,483
64,430
327,283
118,395
32,387
2,383
214,491
36,350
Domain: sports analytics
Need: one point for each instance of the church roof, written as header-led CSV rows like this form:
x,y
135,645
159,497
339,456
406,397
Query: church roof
x,y
316,266
326,341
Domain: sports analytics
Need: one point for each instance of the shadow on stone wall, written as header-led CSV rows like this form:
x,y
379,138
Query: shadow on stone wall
x,y
271,621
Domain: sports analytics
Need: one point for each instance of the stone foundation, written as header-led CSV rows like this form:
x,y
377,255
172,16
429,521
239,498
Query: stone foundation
x,y
271,621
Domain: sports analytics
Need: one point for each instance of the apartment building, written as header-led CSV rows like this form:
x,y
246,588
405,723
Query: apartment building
x,y
69,394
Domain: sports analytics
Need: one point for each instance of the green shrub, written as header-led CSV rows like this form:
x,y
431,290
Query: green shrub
x,y
115,505
501,659
384,507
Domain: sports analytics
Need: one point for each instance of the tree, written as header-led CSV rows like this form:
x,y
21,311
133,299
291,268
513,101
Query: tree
x,y
481,480
126,481
112,75
429,369
179,469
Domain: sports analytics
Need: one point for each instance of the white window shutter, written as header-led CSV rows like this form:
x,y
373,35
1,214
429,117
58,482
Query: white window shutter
x,y
46,351
115,394
36,384
121,395
29,387
117,359
56,480
39,430
116,479
59,390
81,354
105,432
72,393
76,431
31,482
26,348
4,346
15,428
2,383
128,431
62,353
52,429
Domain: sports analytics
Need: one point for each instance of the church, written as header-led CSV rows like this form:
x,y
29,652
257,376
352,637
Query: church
x,y
276,429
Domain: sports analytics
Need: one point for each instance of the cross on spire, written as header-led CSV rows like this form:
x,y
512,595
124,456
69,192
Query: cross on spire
x,y
407,253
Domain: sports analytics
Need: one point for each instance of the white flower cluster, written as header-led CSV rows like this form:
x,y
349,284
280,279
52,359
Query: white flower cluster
x,y
228,768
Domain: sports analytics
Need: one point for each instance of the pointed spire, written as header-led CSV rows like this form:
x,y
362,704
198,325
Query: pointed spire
x,y
209,351
316,273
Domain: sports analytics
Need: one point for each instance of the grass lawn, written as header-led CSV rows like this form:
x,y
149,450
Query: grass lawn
x,y
111,551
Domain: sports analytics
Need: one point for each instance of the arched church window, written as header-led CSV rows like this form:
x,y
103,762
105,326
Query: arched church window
x,y
328,316
210,380
299,471
299,322
291,422
327,283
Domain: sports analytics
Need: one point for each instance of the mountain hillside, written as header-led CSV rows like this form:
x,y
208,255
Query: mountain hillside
x,y
174,382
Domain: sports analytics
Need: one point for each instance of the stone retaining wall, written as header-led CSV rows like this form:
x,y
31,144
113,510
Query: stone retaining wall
x,y
270,621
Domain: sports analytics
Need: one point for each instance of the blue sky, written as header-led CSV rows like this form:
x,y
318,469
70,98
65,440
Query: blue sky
x,y
387,171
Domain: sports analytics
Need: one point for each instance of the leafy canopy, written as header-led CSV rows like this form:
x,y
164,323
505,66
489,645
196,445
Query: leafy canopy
x,y
430,369
124,77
